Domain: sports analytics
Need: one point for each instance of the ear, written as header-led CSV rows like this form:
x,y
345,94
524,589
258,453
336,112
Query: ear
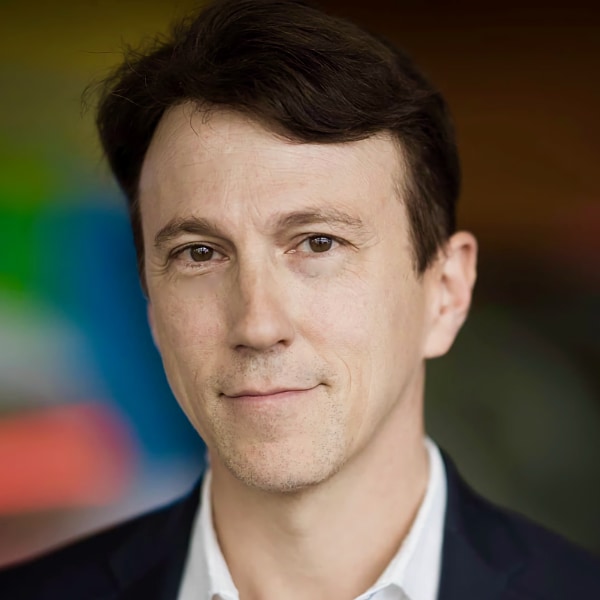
x,y
450,287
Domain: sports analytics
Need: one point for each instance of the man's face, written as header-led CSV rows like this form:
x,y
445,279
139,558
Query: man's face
x,y
283,298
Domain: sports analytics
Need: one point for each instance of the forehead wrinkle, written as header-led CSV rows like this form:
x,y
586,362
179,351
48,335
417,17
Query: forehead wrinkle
x,y
208,141
237,179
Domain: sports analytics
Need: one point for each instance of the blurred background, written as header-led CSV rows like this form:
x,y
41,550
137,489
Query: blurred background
x,y
89,431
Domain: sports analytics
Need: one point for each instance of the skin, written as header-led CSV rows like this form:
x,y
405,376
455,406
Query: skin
x,y
294,331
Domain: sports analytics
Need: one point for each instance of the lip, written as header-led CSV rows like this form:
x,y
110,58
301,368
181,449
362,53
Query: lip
x,y
272,394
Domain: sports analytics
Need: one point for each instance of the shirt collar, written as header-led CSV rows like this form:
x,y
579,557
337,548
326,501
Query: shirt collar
x,y
414,572
416,567
219,578
205,574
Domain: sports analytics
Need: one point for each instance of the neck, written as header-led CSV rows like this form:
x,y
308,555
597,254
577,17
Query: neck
x,y
332,540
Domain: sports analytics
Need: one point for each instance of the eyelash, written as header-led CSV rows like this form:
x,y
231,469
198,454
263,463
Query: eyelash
x,y
316,236
177,252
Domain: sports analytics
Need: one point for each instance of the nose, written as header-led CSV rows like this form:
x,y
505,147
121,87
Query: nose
x,y
260,310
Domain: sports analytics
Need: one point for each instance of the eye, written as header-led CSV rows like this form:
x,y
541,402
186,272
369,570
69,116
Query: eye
x,y
200,253
318,244
196,253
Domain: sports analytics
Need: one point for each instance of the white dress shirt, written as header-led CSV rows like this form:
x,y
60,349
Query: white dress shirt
x,y
413,573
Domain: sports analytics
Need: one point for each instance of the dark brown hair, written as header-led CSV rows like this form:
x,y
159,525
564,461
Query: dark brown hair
x,y
305,74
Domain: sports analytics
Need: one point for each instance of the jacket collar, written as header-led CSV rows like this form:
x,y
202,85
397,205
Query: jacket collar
x,y
480,553
151,562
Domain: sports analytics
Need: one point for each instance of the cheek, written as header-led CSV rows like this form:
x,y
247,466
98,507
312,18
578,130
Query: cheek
x,y
187,329
341,323
371,328
365,314
187,333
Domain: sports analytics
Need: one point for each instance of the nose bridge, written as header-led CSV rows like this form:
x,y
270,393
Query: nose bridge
x,y
260,309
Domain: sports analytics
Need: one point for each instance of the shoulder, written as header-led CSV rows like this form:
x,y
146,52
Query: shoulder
x,y
535,562
553,567
94,561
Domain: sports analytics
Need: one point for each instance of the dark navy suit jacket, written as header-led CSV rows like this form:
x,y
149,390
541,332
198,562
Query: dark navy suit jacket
x,y
488,554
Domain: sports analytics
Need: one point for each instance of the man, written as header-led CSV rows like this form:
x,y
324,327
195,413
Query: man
x,y
292,182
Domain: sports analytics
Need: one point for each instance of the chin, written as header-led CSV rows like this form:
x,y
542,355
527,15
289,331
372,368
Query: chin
x,y
283,472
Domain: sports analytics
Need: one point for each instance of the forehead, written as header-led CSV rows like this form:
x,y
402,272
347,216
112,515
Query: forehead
x,y
225,154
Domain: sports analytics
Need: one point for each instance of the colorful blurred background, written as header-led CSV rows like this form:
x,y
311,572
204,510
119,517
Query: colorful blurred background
x,y
89,431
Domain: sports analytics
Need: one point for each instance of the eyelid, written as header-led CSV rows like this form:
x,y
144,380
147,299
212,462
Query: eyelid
x,y
307,238
179,249
302,239
176,253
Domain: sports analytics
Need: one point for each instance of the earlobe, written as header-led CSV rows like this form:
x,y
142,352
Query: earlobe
x,y
453,284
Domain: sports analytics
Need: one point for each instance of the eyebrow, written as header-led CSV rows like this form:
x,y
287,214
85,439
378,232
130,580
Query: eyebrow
x,y
300,218
177,226
331,216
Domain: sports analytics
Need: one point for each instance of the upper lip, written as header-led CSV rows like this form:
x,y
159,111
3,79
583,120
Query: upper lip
x,y
268,392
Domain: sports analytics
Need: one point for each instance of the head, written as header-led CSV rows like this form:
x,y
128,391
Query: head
x,y
292,183
303,74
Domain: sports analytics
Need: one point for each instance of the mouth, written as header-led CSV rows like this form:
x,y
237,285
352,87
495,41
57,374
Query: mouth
x,y
267,394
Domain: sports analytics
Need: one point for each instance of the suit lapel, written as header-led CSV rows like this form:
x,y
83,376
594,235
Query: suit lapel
x,y
479,556
466,575
151,562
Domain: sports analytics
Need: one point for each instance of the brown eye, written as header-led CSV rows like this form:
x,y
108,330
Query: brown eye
x,y
201,253
320,243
